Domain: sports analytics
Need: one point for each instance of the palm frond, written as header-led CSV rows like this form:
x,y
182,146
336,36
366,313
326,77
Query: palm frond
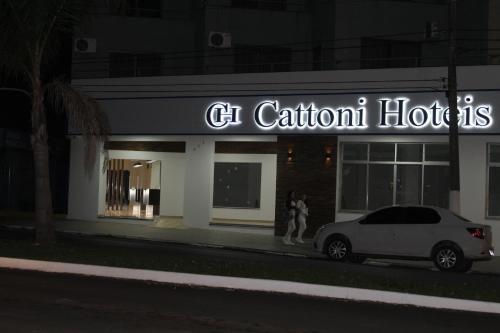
x,y
31,31
84,116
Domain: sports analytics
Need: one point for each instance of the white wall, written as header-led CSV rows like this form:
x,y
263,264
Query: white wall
x,y
199,170
473,175
83,186
156,175
267,188
474,188
186,179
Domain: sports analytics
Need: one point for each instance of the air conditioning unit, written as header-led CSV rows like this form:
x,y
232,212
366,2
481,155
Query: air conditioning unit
x,y
219,39
85,45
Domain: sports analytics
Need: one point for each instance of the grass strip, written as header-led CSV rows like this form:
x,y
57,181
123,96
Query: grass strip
x,y
85,250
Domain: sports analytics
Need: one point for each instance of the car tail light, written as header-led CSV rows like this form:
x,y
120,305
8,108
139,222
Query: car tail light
x,y
476,232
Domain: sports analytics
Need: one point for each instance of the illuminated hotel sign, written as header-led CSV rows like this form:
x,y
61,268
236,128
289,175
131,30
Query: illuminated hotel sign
x,y
382,113
367,113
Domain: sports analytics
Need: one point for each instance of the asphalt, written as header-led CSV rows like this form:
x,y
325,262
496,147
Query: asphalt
x,y
249,241
40,302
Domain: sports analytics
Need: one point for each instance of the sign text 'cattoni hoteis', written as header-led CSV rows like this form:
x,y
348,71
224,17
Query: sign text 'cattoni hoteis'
x,y
397,112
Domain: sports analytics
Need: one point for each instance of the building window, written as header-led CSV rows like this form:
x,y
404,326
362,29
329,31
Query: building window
x,y
128,65
260,4
384,53
260,59
121,64
375,175
493,180
237,185
139,8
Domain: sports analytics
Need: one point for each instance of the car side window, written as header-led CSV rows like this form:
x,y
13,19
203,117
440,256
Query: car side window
x,y
392,215
422,215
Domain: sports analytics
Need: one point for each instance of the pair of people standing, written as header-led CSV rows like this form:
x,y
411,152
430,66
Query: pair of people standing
x,y
296,210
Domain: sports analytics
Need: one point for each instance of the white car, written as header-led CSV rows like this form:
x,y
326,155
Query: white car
x,y
408,232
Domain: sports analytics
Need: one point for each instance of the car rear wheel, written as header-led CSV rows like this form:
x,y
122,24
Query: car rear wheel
x,y
338,248
448,257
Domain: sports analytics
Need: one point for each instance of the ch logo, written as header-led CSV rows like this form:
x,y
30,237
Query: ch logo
x,y
220,115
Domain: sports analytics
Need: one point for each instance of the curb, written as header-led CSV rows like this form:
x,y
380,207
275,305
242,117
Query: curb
x,y
258,285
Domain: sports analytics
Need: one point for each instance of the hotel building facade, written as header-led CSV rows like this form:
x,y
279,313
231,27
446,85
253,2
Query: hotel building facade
x,y
219,143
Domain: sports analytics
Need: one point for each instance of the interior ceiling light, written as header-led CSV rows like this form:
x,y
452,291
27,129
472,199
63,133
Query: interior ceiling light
x,y
137,164
151,161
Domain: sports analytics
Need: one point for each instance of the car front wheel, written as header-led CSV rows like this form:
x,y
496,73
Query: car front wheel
x,y
338,248
448,257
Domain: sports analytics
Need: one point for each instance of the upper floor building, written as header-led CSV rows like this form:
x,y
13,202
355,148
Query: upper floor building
x,y
125,38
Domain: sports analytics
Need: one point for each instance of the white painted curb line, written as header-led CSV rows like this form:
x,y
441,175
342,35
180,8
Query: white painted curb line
x,y
355,294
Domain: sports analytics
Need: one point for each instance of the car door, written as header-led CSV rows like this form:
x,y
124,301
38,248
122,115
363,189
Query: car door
x,y
416,236
375,233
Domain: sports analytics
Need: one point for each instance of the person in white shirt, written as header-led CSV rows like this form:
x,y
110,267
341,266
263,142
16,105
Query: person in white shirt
x,y
302,214
291,207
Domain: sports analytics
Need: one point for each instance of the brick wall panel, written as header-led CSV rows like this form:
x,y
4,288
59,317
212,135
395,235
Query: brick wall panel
x,y
309,172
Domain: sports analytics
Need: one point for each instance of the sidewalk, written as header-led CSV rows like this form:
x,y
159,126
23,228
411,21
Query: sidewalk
x,y
175,233
243,241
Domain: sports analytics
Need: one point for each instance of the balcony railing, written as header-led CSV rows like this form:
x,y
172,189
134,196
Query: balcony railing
x,y
246,60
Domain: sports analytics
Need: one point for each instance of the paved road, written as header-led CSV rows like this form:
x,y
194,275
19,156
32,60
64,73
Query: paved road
x,y
38,302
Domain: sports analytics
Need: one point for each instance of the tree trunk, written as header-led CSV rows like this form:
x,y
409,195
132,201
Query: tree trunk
x,y
39,141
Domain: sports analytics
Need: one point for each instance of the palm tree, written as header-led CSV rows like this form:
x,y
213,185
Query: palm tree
x,y
30,39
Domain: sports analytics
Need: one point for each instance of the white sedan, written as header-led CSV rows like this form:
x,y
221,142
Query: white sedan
x,y
408,232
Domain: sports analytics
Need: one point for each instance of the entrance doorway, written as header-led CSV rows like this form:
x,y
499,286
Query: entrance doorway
x,y
133,188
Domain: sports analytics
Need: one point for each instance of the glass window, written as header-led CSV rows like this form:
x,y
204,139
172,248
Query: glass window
x,y
353,187
355,151
144,8
493,180
409,179
261,58
421,215
126,64
121,64
237,185
148,64
437,152
408,184
409,152
391,215
380,185
436,185
494,153
383,53
382,151
260,4
494,191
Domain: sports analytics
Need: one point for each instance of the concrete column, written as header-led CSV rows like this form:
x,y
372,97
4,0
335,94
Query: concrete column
x,y
83,186
198,183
